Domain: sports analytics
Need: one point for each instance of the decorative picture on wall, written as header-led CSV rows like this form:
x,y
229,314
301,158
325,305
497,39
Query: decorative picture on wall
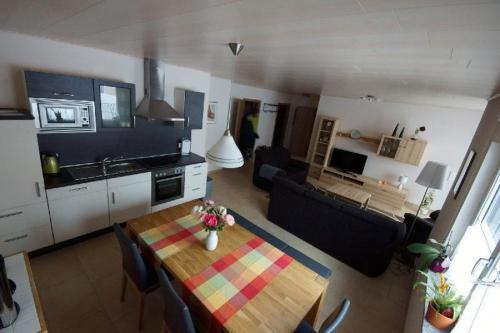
x,y
463,173
212,112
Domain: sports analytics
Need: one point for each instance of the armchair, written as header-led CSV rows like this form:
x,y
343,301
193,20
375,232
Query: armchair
x,y
278,157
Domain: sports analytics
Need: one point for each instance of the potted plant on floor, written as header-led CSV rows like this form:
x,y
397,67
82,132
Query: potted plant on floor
x,y
445,305
433,256
214,218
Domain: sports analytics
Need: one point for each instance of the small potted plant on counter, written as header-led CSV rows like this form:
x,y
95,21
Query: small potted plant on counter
x,y
433,256
445,305
214,218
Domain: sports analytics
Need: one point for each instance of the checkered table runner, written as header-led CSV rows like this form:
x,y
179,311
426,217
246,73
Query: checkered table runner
x,y
172,237
228,284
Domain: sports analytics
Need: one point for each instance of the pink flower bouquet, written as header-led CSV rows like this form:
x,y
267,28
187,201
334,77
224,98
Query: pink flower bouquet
x,y
213,217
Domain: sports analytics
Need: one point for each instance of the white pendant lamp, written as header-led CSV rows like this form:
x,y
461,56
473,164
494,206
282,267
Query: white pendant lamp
x,y
225,153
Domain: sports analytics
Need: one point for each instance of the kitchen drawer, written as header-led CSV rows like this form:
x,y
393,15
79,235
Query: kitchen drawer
x,y
196,170
76,190
195,192
196,178
129,180
22,218
26,240
48,85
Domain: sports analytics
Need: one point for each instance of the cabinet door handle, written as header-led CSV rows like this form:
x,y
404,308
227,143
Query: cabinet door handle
x,y
187,126
37,189
197,174
78,188
195,189
197,166
13,239
57,93
113,198
10,214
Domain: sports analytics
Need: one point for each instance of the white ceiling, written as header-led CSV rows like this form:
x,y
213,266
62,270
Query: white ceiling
x,y
444,52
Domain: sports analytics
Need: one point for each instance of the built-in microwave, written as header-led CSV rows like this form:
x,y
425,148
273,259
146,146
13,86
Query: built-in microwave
x,y
61,115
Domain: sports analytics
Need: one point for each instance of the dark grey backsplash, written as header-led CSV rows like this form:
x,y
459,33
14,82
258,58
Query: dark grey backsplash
x,y
146,139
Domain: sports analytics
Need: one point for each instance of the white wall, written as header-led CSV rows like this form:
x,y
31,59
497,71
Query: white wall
x,y
449,133
267,119
220,92
20,52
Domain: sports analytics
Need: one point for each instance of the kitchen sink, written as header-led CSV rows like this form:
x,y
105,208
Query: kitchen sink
x,y
94,171
86,172
123,167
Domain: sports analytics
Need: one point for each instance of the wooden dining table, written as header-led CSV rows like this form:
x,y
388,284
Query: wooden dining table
x,y
293,295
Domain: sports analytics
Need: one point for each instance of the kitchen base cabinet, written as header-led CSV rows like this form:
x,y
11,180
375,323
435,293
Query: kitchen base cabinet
x,y
78,210
25,228
129,197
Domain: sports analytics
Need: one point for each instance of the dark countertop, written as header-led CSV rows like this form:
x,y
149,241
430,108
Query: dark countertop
x,y
64,178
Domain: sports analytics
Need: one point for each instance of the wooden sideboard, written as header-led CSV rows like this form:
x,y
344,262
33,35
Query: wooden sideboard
x,y
385,197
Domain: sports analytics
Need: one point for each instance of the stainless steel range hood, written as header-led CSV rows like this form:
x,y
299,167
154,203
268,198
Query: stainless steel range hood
x,y
153,106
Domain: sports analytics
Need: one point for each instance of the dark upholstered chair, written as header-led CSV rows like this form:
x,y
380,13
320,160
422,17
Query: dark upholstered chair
x,y
176,318
420,232
278,157
330,324
135,271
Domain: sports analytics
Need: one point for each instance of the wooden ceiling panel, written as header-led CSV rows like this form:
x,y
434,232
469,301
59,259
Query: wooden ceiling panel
x,y
402,50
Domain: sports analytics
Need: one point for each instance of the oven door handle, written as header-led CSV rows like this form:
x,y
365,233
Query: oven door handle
x,y
166,179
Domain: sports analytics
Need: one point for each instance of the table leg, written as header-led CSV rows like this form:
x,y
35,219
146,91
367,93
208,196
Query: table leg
x,y
312,316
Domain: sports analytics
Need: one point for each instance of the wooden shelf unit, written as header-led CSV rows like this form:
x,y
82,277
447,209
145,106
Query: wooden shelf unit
x,y
323,145
405,150
384,193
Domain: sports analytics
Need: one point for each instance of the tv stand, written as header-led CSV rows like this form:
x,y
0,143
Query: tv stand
x,y
385,197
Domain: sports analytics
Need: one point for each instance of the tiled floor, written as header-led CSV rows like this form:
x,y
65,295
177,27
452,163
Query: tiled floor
x,y
79,285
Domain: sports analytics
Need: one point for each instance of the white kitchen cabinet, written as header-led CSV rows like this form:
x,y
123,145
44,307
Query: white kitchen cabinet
x,y
25,228
21,179
129,197
78,209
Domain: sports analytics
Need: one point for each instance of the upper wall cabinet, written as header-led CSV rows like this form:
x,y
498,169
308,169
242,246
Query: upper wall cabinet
x,y
191,103
404,150
115,104
45,85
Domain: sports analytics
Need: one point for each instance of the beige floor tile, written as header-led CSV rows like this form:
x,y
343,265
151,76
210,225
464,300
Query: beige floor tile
x,y
56,267
70,301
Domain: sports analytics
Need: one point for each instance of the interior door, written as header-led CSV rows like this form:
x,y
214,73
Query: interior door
x,y
280,125
237,117
303,123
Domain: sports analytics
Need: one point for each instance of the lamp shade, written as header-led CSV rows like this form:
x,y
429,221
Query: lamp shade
x,y
225,152
433,175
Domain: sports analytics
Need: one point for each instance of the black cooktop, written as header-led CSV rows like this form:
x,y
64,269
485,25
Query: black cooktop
x,y
159,161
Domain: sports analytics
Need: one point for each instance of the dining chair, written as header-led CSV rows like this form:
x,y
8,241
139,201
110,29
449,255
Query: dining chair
x,y
330,324
135,271
176,318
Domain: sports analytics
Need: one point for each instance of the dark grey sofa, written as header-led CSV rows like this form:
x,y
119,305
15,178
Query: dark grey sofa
x,y
360,238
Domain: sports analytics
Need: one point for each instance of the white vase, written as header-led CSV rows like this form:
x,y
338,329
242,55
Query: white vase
x,y
212,240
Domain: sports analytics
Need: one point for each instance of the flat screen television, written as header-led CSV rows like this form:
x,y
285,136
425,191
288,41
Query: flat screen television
x,y
348,161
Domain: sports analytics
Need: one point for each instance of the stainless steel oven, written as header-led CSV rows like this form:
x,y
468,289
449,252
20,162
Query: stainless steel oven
x,y
167,185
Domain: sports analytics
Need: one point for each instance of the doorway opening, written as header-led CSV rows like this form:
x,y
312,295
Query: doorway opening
x,y
280,125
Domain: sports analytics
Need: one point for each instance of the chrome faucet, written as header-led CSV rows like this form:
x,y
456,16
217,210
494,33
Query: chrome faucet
x,y
107,160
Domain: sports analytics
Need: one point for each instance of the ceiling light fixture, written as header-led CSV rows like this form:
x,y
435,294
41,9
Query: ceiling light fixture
x,y
225,153
369,98
236,48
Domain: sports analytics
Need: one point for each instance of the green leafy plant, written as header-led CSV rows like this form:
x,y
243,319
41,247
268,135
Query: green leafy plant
x,y
428,200
442,295
429,252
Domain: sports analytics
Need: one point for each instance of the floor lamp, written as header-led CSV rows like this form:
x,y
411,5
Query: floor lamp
x,y
432,176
